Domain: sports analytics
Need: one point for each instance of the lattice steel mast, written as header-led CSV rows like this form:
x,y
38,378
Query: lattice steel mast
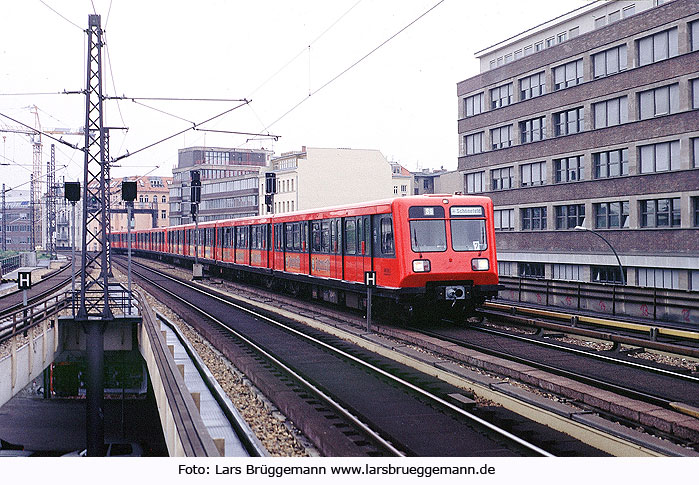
x,y
51,203
94,291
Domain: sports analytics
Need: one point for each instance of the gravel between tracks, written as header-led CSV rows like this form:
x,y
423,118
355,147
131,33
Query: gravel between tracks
x,y
276,433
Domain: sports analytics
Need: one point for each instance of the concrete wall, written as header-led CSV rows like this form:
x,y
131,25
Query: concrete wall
x,y
330,176
26,361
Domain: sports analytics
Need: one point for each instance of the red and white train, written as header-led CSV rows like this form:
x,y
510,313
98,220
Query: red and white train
x,y
433,255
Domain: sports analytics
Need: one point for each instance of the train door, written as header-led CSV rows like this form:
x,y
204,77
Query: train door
x,y
351,257
336,248
365,245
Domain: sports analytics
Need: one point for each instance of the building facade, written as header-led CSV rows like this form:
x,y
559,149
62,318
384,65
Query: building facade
x,y
229,183
151,207
591,120
17,225
321,177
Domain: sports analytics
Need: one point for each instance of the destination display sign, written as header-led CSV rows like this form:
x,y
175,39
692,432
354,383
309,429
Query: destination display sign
x,y
466,211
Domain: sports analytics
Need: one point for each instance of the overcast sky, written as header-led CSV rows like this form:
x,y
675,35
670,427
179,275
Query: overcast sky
x,y
400,100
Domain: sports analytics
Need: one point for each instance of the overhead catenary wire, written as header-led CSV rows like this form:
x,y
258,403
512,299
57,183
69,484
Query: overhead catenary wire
x,y
60,15
39,132
353,65
128,154
304,50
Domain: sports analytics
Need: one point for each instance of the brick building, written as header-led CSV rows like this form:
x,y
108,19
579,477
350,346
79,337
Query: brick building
x,y
591,120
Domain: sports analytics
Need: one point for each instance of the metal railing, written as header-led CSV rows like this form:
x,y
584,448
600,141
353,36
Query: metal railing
x,y
23,319
10,264
680,306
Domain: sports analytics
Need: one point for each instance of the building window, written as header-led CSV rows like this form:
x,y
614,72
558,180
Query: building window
x,y
611,164
518,54
539,46
550,42
532,270
473,143
570,169
614,16
695,151
532,130
501,96
694,29
568,122
395,189
658,278
562,37
610,215
659,101
474,104
504,219
600,22
570,216
474,182
628,11
163,214
660,157
501,178
163,200
534,219
606,274
570,272
533,174
501,137
657,47
528,50
426,184
532,86
508,58
567,75
660,213
574,32
611,112
695,93
695,212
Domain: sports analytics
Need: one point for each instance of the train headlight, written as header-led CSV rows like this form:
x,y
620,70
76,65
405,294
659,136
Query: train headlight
x,y
480,264
421,265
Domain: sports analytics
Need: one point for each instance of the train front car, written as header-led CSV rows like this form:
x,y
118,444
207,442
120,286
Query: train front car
x,y
449,265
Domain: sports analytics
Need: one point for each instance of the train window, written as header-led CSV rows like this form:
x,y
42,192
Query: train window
x,y
304,236
387,235
325,236
468,235
315,236
289,236
428,236
297,236
350,237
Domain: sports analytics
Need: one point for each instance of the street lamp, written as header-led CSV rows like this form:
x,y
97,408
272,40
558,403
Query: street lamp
x,y
621,268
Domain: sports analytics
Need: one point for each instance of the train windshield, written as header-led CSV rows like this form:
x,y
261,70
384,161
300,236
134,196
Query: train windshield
x,y
468,235
428,236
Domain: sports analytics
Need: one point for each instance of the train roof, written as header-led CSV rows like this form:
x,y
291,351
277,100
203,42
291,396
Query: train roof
x,y
359,208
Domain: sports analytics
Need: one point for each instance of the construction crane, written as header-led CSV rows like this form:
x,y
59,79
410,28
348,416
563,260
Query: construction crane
x,y
35,138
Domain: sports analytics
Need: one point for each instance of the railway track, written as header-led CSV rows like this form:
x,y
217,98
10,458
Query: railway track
x,y
348,401
680,340
620,373
52,282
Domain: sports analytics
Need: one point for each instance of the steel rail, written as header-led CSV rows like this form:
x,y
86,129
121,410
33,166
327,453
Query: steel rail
x,y
666,403
398,380
593,355
338,407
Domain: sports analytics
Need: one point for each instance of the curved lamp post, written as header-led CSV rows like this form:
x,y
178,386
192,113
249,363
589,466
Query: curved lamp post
x,y
621,268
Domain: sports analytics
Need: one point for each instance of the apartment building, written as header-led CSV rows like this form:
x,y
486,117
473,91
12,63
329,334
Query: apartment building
x,y
591,120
